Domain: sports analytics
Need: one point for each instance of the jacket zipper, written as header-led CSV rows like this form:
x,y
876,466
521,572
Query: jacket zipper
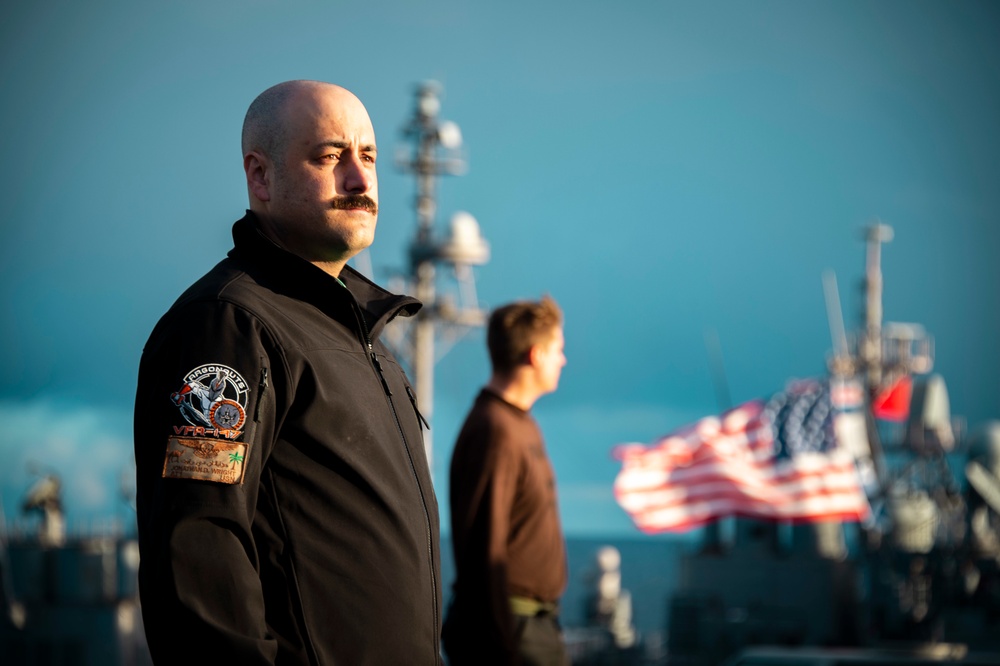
x,y
377,366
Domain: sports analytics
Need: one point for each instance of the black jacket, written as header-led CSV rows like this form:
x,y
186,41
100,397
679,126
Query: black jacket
x,y
285,507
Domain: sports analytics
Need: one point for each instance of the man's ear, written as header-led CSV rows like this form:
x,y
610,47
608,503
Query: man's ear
x,y
258,173
532,356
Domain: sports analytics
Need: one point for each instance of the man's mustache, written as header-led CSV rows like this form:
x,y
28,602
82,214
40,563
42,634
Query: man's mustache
x,y
355,201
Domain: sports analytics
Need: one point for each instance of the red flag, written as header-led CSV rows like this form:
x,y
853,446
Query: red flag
x,y
730,465
893,403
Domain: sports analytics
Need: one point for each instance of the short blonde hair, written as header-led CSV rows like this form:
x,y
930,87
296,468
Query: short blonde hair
x,y
517,327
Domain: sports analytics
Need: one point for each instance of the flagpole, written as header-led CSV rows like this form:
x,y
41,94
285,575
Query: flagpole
x,y
712,541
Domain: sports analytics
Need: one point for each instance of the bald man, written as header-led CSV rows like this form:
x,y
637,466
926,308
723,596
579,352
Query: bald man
x,y
285,507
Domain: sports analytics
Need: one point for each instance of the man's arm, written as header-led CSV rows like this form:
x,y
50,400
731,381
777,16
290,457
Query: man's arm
x,y
204,421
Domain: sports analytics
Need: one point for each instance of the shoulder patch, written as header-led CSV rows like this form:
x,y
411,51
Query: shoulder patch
x,y
212,399
205,459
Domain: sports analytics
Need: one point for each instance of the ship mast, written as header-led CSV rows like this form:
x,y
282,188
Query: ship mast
x,y
869,355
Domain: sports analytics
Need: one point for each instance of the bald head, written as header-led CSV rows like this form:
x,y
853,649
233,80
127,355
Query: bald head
x,y
266,126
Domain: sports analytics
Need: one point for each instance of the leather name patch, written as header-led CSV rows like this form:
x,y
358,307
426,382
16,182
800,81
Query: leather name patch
x,y
215,460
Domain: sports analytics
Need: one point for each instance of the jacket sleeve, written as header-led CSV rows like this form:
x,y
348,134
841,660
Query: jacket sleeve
x,y
203,427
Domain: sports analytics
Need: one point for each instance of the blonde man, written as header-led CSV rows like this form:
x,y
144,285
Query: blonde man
x,y
508,545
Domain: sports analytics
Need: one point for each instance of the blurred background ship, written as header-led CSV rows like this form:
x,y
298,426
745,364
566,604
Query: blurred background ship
x,y
916,582
68,600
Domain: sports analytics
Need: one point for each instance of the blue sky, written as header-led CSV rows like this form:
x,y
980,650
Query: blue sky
x,y
663,169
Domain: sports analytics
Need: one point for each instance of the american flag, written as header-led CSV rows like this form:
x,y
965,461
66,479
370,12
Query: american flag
x,y
784,458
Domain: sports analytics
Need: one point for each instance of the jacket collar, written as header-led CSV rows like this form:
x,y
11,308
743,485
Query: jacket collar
x,y
276,268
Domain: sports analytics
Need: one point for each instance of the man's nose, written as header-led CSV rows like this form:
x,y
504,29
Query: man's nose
x,y
357,176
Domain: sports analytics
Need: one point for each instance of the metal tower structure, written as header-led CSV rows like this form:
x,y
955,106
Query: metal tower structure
x,y
451,311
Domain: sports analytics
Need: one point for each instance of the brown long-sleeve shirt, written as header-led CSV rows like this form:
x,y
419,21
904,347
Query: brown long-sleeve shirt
x,y
505,530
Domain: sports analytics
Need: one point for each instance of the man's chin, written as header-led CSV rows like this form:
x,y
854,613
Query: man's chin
x,y
361,242
353,221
